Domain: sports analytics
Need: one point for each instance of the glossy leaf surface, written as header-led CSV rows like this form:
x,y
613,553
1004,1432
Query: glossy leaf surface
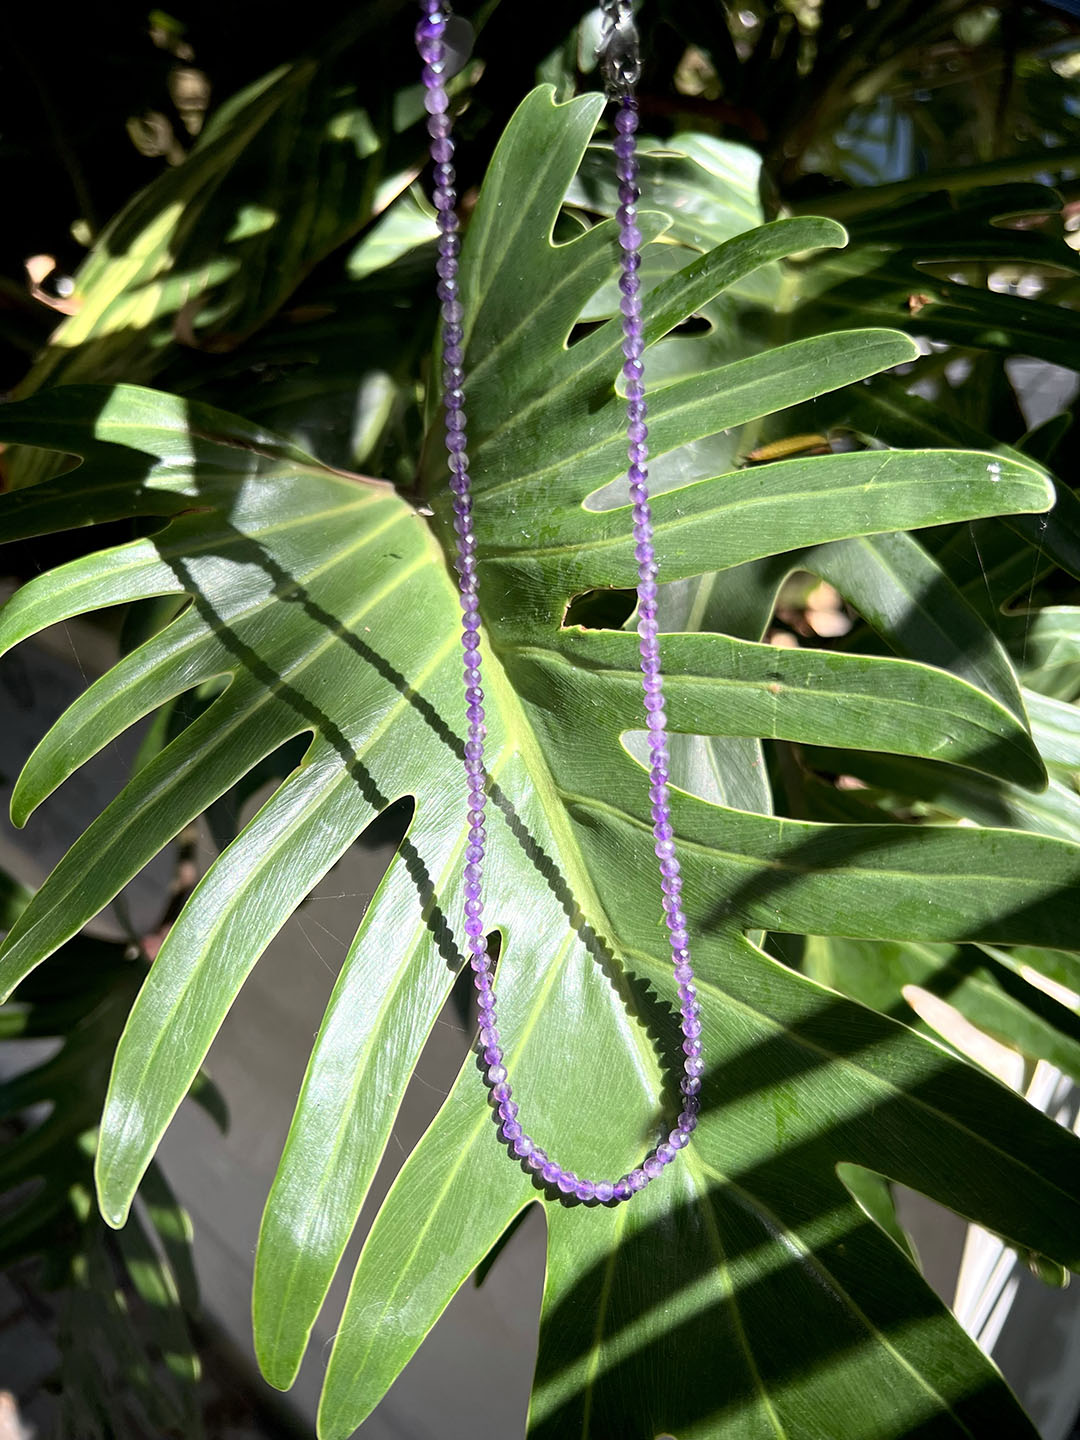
x,y
327,604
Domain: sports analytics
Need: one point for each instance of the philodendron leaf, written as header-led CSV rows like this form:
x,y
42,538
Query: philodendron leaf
x,y
326,606
902,269
784,1279
947,791
903,594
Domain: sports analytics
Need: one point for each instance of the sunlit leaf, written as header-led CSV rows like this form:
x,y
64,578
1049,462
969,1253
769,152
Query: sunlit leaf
x,y
323,606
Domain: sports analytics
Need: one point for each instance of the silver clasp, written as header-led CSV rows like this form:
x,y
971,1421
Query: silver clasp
x,y
618,52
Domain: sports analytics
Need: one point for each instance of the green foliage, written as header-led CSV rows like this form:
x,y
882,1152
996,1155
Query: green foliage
x,y
292,618
128,1364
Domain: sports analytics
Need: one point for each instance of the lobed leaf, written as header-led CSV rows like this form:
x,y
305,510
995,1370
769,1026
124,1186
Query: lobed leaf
x,y
326,607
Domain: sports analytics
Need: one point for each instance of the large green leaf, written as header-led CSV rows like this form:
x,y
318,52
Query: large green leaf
x,y
738,1259
326,604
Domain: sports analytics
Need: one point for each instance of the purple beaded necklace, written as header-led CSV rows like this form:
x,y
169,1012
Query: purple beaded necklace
x,y
618,54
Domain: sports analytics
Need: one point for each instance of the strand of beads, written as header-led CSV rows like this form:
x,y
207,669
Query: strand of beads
x,y
431,45
626,168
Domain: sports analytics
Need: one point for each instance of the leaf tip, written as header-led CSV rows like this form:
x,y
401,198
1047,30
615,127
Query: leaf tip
x,y
23,804
277,1369
114,1198
115,1215
833,235
278,1360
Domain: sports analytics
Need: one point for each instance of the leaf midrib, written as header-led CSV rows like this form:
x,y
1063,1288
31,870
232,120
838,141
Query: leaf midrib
x,y
562,834
705,681
598,543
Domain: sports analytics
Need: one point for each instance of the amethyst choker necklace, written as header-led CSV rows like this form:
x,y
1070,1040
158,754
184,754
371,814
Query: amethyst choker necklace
x,y
619,57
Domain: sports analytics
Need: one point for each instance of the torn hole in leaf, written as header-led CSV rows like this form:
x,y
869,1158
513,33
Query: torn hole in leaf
x,y
570,225
600,609
174,715
692,325
143,619
48,464
439,1062
581,330
390,826
463,996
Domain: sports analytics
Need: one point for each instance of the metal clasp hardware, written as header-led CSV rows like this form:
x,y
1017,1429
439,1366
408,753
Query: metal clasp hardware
x,y
618,52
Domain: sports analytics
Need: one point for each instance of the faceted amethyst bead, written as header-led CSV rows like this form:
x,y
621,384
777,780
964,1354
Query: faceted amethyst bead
x,y
604,1191
429,29
566,1181
551,1172
585,1190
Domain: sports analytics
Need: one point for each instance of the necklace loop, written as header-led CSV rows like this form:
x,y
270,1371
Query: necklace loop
x,y
622,64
